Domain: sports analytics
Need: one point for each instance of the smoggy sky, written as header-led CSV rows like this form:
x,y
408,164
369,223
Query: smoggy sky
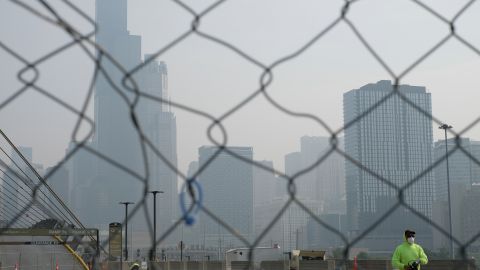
x,y
210,77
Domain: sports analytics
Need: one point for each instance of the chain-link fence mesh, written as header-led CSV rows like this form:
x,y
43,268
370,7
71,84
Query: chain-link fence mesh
x,y
38,204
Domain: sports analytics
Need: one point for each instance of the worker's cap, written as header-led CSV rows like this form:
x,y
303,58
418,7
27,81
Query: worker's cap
x,y
409,233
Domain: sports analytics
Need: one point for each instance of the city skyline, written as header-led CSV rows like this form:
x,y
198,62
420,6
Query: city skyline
x,y
301,74
271,95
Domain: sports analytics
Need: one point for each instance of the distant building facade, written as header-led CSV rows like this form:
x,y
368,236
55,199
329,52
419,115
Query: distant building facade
x,y
395,142
325,182
104,183
264,183
227,184
290,230
17,184
471,215
319,237
60,183
462,169
464,173
81,169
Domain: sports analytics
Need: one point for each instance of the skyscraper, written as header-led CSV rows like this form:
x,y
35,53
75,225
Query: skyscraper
x,y
395,141
264,183
60,183
463,172
325,182
328,177
471,215
228,193
116,135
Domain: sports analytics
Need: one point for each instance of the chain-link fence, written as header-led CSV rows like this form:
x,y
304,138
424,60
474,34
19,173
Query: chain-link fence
x,y
37,206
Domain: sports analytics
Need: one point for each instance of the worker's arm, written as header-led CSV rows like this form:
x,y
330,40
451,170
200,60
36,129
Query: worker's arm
x,y
396,260
422,256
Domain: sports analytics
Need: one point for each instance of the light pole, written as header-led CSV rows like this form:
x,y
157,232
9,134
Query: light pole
x,y
445,127
126,227
153,252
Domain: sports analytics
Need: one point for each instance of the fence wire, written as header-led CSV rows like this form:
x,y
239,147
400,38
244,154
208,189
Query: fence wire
x,y
40,208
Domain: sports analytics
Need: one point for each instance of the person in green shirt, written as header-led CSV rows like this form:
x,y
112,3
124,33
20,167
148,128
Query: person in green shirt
x,y
408,255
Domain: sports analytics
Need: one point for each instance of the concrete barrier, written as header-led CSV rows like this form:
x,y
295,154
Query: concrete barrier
x,y
274,265
213,265
314,265
175,265
449,264
304,265
241,265
386,265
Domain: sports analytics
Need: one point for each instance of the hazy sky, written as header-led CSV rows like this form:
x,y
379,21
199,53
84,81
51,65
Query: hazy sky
x,y
210,77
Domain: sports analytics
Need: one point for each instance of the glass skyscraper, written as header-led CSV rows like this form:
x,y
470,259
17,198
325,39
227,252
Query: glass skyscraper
x,y
227,184
117,137
394,141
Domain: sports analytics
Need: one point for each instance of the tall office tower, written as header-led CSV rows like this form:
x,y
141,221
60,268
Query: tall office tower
x,y
159,126
60,183
81,174
116,135
311,149
264,191
395,141
463,173
325,182
293,164
264,183
462,170
475,151
228,193
471,215
328,177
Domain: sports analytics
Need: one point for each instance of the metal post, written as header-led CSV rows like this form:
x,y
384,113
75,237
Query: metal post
x,y
126,227
452,252
153,252
181,250
121,256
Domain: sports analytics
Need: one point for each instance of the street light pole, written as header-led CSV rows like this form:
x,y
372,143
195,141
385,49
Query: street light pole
x,y
445,127
153,252
126,227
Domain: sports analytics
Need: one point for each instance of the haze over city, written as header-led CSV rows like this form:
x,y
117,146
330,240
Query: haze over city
x,y
314,82
282,78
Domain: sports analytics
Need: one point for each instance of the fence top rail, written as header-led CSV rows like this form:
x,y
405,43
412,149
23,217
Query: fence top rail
x,y
48,232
